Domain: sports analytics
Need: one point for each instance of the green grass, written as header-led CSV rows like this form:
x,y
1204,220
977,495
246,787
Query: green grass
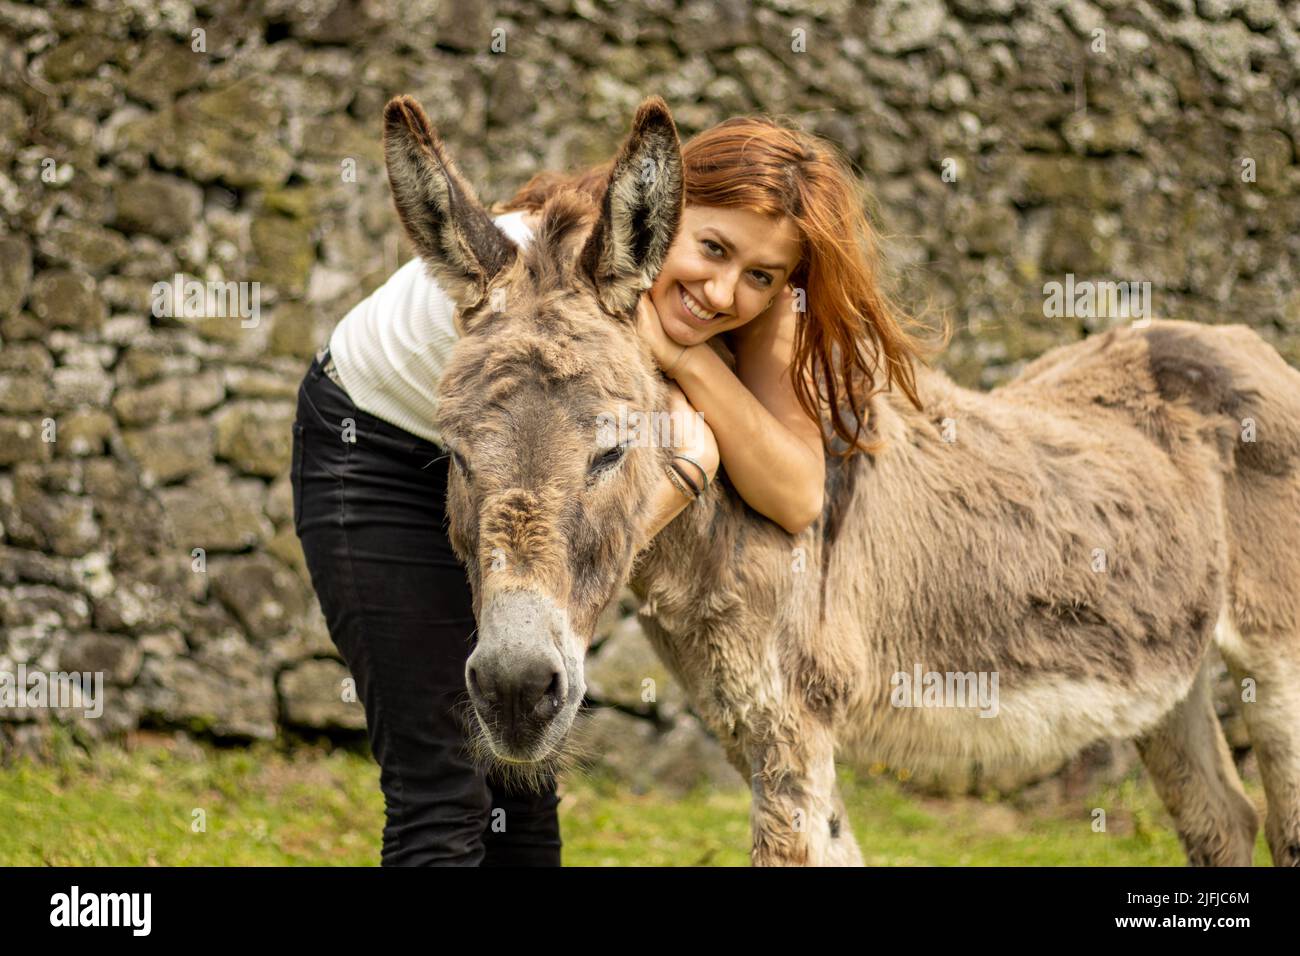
x,y
898,828
157,806
321,806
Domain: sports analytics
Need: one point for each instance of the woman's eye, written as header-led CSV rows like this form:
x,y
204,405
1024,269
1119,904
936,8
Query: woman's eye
x,y
713,248
763,278
606,460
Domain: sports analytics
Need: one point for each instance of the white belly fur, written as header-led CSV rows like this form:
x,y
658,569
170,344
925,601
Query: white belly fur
x,y
1038,722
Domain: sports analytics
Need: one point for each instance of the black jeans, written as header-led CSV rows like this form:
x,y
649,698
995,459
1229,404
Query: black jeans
x,y
371,516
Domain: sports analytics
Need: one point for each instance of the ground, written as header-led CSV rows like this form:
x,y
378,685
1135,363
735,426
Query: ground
x,y
164,802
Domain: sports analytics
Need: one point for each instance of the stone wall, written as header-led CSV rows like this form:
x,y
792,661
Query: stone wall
x,y
1007,143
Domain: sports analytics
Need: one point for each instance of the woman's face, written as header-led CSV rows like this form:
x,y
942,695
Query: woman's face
x,y
723,269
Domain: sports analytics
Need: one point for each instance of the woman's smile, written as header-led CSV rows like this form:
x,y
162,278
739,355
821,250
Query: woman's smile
x,y
693,307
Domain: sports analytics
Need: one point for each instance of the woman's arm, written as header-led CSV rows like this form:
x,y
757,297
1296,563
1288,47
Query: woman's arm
x,y
772,449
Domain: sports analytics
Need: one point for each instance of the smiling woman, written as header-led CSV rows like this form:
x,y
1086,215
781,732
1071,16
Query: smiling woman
x,y
775,259
725,273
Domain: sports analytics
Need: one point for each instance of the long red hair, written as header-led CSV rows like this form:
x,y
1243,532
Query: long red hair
x,y
854,341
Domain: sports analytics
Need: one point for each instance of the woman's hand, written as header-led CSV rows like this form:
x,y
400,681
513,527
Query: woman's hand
x,y
691,436
781,308
648,326
696,437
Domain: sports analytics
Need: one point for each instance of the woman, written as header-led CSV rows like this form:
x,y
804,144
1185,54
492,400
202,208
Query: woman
x,y
773,258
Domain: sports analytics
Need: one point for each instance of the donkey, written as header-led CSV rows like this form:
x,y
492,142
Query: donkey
x,y
1082,535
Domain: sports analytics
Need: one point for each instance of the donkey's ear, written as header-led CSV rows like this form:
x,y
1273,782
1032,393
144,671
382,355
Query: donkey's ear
x,y
450,229
640,211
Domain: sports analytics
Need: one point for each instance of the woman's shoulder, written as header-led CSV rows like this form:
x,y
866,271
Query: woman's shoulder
x,y
398,283
412,288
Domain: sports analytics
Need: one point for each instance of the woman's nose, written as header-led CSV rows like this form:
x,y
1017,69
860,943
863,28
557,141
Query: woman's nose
x,y
720,292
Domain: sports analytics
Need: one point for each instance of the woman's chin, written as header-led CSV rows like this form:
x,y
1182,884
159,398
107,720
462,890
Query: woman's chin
x,y
682,332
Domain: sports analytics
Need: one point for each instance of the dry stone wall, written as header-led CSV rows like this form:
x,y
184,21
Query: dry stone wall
x,y
1007,144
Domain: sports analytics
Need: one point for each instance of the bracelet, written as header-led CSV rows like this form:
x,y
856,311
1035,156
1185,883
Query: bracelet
x,y
703,474
679,482
681,473
669,370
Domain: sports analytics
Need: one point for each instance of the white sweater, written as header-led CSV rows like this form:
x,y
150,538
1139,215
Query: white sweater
x,y
390,350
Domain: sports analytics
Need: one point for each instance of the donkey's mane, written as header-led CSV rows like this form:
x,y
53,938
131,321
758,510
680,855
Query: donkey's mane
x,y
566,218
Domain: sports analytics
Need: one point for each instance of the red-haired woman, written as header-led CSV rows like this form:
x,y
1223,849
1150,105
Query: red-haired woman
x,y
774,257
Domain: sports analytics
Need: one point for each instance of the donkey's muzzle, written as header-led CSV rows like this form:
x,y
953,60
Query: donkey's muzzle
x,y
516,677
512,691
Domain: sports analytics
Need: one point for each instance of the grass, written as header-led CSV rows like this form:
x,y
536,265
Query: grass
x,y
159,803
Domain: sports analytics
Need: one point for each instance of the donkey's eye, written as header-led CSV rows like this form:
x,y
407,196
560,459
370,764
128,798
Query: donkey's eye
x,y
459,461
606,460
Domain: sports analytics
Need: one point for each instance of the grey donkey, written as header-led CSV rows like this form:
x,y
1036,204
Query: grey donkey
x,y
1077,539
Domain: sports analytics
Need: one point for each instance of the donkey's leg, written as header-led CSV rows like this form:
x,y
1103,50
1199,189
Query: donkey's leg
x,y
842,848
1273,722
1193,772
796,815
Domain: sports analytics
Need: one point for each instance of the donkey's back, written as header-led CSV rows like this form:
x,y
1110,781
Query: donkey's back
x,y
1226,389
1081,535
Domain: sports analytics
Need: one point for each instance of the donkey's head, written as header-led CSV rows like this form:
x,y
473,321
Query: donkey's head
x,y
545,503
